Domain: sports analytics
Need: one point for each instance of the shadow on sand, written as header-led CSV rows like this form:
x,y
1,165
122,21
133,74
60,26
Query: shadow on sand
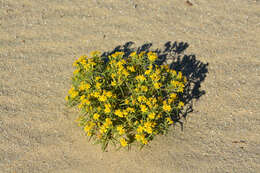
x,y
173,54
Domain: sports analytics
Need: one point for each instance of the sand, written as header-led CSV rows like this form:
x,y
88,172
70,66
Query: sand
x,y
40,39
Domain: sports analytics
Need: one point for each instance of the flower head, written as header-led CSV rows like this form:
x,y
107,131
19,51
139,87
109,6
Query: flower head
x,y
120,129
143,108
123,142
140,78
167,108
119,113
96,116
152,56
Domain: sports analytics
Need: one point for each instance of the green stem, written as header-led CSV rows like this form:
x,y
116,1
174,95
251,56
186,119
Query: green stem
x,y
121,91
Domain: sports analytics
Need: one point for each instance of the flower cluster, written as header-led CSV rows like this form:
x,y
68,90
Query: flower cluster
x,y
125,100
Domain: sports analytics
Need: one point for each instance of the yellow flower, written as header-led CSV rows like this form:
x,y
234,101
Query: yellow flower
x,y
81,86
123,61
120,66
152,56
71,90
113,83
67,98
96,116
149,130
140,129
141,138
170,100
89,108
153,100
138,137
173,72
76,71
155,77
166,67
141,99
98,85
157,85
159,116
179,76
131,68
157,71
87,67
95,53
133,54
173,95
80,105
184,79
97,78
140,78
87,86
180,89
83,62
96,94
107,108
89,134
82,97
108,94
180,105
125,112
119,113
90,60
74,94
75,63
143,108
113,75
123,142
169,120
86,101
116,54
126,101
102,98
144,88
108,105
130,109
147,72
149,104
103,129
108,122
174,83
147,124
125,73
151,115
141,54
144,141
167,108
120,129
89,126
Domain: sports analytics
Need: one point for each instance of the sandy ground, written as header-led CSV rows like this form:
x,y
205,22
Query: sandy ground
x,y
39,40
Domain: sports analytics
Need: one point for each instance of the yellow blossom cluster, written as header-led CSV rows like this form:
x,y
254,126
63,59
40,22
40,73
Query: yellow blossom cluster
x,y
124,98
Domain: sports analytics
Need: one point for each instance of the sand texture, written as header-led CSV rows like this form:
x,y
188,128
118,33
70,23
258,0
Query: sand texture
x,y
218,45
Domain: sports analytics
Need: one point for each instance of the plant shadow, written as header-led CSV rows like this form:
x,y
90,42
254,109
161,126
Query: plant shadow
x,y
173,54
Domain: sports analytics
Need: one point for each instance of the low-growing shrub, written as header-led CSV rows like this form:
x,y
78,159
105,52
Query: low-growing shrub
x,y
125,100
